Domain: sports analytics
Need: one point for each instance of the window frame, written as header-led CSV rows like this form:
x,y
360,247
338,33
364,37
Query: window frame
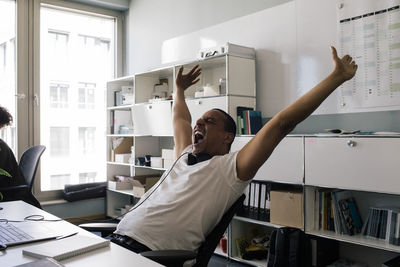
x,y
28,70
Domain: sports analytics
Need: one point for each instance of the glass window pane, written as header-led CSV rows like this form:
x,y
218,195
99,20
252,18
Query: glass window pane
x,y
77,58
7,68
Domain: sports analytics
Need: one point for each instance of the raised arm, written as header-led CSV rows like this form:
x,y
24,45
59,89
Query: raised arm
x,y
181,118
257,151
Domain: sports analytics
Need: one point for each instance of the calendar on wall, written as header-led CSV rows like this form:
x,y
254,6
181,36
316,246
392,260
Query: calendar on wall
x,y
369,31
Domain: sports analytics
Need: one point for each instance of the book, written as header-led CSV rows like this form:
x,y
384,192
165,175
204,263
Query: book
x,y
66,248
240,119
46,262
255,121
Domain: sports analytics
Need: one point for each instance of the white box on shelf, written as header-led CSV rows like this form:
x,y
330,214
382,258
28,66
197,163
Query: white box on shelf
x,y
167,163
156,162
167,153
119,185
122,158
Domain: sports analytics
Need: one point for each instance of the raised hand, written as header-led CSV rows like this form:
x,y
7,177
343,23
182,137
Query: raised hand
x,y
345,66
184,81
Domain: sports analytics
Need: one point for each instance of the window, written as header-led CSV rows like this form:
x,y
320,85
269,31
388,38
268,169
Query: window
x,y
87,177
77,59
3,56
58,95
59,141
57,181
86,98
7,69
60,55
87,140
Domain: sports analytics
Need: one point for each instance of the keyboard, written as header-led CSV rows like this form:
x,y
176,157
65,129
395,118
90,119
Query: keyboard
x,y
11,234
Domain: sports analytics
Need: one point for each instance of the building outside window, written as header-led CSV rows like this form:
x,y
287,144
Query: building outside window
x,y
7,69
58,95
59,142
87,177
86,98
77,49
87,140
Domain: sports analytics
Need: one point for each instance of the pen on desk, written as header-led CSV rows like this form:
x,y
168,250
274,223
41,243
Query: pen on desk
x,y
65,236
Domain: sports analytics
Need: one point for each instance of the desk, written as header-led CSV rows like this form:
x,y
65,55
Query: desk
x,y
110,256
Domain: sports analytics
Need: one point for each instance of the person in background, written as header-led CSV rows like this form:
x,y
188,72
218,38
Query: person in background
x,y
7,158
205,180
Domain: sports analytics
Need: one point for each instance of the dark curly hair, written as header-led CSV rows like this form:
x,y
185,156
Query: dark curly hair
x,y
5,117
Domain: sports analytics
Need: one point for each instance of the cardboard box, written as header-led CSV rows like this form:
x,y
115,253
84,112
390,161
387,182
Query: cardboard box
x,y
287,208
167,154
123,148
156,162
119,185
141,184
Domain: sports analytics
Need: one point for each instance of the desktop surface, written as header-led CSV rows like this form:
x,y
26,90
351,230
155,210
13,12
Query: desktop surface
x,y
108,256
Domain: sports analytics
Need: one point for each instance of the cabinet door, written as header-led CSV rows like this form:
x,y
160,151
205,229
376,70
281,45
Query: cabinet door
x,y
284,165
198,107
366,164
153,119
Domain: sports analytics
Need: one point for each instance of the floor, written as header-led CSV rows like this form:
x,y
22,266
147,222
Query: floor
x,y
218,261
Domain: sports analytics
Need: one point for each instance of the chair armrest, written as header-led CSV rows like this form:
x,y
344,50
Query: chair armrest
x,y
99,227
170,257
14,192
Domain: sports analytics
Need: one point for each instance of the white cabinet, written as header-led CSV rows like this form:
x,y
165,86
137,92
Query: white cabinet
x,y
153,119
285,165
366,168
367,164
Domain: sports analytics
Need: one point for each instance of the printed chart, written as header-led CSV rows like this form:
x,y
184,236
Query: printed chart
x,y
369,31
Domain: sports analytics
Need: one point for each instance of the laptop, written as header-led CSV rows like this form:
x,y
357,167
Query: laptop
x,y
12,234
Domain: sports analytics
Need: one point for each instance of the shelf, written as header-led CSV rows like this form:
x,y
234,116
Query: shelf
x,y
219,252
263,223
151,168
121,107
120,135
261,263
126,191
120,164
357,239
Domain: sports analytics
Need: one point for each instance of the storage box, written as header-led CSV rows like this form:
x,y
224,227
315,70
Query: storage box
x,y
156,162
287,208
119,185
122,158
121,147
141,184
167,154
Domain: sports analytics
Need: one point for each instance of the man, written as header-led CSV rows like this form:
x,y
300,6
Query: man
x,y
205,180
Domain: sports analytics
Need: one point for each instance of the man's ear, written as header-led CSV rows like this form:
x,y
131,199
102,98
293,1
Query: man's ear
x,y
229,138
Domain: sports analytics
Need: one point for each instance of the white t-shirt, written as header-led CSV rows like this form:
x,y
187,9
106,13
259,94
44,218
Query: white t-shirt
x,y
187,204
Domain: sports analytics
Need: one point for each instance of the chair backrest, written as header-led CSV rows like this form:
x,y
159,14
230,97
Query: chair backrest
x,y
206,250
29,162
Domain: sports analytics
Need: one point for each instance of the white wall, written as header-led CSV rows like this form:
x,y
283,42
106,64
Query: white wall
x,y
151,22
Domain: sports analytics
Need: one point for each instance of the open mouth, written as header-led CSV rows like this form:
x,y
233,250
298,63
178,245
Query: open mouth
x,y
198,137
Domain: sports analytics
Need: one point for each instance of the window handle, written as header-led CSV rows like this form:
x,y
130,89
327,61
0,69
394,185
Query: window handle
x,y
36,99
20,96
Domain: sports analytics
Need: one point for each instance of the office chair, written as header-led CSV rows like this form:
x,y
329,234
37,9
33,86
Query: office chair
x,y
177,258
28,164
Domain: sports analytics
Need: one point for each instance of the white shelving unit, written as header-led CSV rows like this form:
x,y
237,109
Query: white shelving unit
x,y
152,118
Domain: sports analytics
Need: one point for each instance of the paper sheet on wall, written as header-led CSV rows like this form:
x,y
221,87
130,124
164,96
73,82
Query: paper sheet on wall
x,y
369,30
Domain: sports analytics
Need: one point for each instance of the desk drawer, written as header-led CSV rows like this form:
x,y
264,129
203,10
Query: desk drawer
x,y
284,165
367,164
